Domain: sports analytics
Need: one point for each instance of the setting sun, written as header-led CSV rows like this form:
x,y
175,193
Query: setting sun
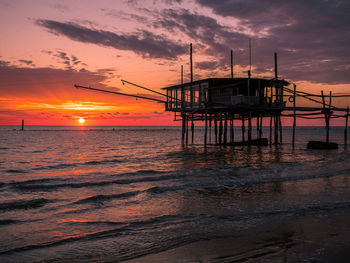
x,y
81,120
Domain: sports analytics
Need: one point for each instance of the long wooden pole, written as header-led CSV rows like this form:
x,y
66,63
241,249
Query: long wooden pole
x,y
186,130
191,64
271,129
280,126
206,130
249,128
294,116
231,64
119,93
225,129
243,129
216,129
231,130
220,129
346,126
210,128
192,129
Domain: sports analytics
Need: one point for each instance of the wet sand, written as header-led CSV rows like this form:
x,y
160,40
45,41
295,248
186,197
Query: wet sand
x,y
319,237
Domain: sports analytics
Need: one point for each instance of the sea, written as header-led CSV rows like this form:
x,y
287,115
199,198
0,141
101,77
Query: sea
x,y
113,194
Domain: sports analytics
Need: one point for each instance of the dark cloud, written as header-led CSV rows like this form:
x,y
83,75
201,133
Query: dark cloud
x,y
207,65
26,62
311,36
70,61
48,83
143,43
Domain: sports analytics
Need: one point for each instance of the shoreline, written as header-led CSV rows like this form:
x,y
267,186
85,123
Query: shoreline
x,y
317,237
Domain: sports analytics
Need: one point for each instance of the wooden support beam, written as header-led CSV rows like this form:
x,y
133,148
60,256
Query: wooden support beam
x,y
225,129
220,129
232,135
294,116
346,126
186,130
205,129
183,129
243,129
210,128
276,124
249,127
280,127
260,126
216,129
270,129
192,129
231,64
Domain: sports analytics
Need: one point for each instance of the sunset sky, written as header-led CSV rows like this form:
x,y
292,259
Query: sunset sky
x,y
47,46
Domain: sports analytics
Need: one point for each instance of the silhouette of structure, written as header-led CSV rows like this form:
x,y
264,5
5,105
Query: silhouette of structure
x,y
219,102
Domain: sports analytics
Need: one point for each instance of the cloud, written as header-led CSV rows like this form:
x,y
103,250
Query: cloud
x,y
144,43
26,62
45,84
207,65
311,36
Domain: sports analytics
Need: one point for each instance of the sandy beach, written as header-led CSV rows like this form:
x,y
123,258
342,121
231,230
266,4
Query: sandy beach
x,y
319,237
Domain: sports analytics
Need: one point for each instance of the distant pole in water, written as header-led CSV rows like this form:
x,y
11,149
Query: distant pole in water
x,y
231,64
22,125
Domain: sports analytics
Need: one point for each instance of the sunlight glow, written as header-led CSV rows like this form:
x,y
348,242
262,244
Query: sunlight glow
x,y
81,120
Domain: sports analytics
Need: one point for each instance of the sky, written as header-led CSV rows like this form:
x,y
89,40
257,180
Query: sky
x,y
47,46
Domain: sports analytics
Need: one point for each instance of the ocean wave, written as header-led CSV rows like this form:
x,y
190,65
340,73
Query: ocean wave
x,y
7,221
67,165
41,184
19,171
24,204
102,198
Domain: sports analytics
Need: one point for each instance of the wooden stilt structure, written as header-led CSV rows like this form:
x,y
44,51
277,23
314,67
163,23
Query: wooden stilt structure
x,y
224,99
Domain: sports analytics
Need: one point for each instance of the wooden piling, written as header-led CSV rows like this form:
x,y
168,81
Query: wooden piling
x,y
280,127
249,128
192,129
276,124
220,129
260,126
231,64
22,125
183,130
210,128
216,129
294,116
326,115
186,130
243,129
225,129
232,129
205,129
271,129
346,126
